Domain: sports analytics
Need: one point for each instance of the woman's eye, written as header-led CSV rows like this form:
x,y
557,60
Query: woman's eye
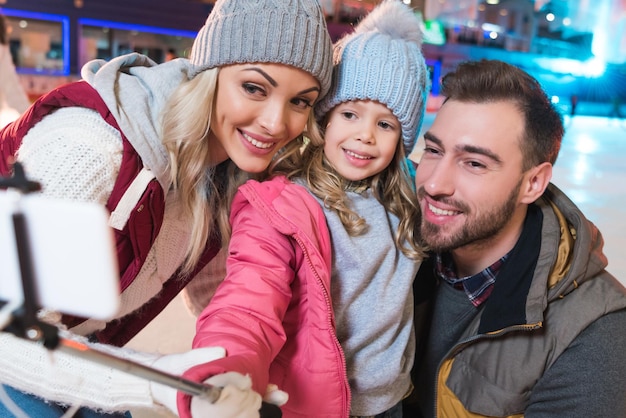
x,y
302,103
252,88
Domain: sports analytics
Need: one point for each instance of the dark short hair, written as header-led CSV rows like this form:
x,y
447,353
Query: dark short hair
x,y
487,81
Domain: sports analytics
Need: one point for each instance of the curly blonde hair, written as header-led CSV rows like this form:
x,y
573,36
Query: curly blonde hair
x,y
206,191
392,188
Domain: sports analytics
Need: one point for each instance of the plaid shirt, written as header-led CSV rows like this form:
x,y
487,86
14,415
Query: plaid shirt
x,y
477,287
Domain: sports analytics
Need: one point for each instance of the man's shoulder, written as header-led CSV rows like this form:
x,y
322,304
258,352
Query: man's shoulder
x,y
587,380
607,330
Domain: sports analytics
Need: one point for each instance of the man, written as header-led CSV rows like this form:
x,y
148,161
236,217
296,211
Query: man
x,y
525,320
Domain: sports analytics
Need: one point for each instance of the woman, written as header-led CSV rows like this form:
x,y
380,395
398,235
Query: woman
x,y
175,139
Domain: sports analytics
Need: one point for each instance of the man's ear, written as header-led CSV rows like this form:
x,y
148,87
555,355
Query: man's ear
x,y
535,182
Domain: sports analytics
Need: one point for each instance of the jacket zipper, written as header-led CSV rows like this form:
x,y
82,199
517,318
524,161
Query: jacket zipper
x,y
330,323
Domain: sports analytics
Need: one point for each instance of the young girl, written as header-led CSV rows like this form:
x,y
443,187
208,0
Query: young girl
x,y
332,325
162,146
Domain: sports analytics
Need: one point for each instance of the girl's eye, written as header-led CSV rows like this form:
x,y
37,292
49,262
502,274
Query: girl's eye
x,y
385,125
348,115
252,88
302,103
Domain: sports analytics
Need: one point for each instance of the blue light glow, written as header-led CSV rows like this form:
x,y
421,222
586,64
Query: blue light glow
x,y
435,66
591,68
600,43
138,28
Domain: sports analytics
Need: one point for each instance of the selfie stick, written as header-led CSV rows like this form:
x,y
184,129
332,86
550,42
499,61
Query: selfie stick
x,y
25,323
208,392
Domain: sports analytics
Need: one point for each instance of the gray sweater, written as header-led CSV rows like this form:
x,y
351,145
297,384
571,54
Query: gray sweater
x,y
371,289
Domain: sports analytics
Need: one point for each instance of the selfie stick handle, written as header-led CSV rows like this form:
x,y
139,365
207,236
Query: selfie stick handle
x,y
211,393
203,390
206,391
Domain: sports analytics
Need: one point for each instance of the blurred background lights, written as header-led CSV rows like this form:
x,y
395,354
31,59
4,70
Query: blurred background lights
x,y
591,68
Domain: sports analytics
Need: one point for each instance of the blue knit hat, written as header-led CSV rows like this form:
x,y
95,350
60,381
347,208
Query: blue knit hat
x,y
291,32
382,60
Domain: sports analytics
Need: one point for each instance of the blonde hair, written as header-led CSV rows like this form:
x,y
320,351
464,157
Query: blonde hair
x,y
205,190
392,188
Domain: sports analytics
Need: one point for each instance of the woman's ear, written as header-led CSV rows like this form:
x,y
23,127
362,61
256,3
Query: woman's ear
x,y
535,182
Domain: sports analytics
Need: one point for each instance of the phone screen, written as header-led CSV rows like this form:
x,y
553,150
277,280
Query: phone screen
x,y
72,250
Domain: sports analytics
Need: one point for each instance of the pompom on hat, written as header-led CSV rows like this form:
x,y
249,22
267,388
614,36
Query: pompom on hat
x,y
382,60
291,32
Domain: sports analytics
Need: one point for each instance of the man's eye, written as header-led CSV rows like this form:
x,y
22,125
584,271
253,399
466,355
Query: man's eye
x,y
476,164
430,150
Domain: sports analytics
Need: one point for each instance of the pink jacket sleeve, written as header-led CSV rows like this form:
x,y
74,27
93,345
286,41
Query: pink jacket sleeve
x,y
246,313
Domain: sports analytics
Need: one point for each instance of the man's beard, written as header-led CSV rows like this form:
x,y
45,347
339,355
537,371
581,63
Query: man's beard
x,y
476,230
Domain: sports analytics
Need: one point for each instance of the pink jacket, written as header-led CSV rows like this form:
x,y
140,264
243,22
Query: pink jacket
x,y
273,312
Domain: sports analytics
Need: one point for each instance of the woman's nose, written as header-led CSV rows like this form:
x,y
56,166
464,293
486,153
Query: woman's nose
x,y
273,119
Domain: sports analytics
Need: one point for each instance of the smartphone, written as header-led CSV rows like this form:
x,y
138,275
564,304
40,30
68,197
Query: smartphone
x,y
72,250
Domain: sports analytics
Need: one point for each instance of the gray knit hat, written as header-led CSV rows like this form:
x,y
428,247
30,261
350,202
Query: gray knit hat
x,y
291,32
382,60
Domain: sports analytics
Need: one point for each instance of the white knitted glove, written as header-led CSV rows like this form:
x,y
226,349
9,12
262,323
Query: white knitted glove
x,y
237,399
275,396
177,364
